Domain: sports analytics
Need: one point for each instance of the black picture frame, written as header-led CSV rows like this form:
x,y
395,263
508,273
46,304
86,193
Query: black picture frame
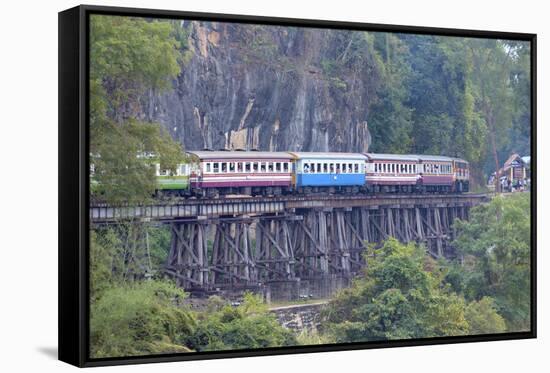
x,y
74,183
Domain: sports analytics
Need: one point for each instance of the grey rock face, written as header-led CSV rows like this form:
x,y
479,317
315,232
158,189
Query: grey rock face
x,y
267,88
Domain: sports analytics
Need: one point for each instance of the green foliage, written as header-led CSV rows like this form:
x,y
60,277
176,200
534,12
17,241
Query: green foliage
x,y
248,325
390,118
128,58
101,261
119,254
397,298
159,245
455,96
139,319
312,337
483,317
495,243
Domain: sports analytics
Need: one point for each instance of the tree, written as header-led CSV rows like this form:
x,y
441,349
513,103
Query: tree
x,y
495,245
249,325
398,298
139,319
129,57
492,62
483,317
389,116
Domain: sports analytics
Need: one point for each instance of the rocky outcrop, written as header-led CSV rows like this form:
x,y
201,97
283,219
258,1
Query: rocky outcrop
x,y
267,88
300,317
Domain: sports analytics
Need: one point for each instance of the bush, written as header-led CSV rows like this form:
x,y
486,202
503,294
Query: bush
x,y
250,325
398,298
139,319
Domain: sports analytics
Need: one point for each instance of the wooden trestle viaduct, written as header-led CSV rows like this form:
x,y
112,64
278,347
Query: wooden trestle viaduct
x,y
290,246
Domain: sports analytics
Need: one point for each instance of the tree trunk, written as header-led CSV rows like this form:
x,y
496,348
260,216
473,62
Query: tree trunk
x,y
492,137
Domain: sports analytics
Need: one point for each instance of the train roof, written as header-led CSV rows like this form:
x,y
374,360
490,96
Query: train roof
x,y
436,158
328,155
231,154
392,157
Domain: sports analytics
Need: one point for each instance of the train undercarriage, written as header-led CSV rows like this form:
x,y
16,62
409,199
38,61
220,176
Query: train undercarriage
x,y
378,189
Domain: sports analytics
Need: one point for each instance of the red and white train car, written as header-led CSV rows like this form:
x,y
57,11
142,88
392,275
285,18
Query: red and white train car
x,y
436,173
239,172
391,172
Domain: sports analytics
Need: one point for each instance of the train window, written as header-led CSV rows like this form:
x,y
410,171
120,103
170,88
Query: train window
x,y
278,166
262,167
231,166
239,166
356,168
255,166
331,168
312,167
269,166
247,166
208,167
224,166
318,168
215,167
337,168
285,166
325,168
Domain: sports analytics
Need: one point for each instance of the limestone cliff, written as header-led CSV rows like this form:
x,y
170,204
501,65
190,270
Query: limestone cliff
x,y
267,88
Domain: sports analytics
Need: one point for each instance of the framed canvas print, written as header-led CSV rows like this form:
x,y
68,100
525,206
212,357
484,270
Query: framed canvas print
x,y
235,186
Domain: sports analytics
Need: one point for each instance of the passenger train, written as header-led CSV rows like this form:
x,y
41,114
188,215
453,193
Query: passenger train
x,y
215,173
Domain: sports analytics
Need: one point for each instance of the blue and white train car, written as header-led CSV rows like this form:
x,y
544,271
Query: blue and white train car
x,y
328,170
